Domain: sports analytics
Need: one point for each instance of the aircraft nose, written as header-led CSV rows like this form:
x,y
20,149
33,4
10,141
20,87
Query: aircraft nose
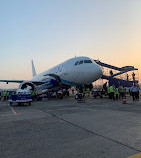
x,y
99,71
96,72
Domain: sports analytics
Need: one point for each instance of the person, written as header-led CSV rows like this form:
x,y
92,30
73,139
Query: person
x,y
133,76
80,89
123,91
134,91
83,91
88,91
111,72
108,92
105,87
72,91
116,93
2,95
112,90
5,95
119,91
127,77
32,94
138,92
13,92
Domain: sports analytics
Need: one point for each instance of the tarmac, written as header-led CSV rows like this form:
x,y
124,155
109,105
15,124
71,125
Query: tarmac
x,y
98,128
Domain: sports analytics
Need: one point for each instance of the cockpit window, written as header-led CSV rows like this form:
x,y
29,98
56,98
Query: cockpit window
x,y
76,63
87,61
80,62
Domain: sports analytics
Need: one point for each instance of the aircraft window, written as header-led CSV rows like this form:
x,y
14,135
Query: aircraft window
x,y
76,63
80,62
87,61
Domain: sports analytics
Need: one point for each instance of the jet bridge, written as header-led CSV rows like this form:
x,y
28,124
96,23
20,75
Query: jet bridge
x,y
125,76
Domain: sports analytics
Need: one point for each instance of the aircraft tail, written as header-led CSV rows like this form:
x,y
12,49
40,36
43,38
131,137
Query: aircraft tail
x,y
33,69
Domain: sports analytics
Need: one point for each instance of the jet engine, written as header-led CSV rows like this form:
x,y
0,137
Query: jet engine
x,y
25,84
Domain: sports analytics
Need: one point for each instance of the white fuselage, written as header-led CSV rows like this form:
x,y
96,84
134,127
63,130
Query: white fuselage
x,y
75,71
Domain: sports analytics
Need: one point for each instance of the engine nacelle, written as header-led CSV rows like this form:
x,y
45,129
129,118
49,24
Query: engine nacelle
x,y
25,84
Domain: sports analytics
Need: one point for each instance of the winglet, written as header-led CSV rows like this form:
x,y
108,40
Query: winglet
x,y
33,69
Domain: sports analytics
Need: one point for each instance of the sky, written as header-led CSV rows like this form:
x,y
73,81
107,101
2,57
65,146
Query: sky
x,y
50,32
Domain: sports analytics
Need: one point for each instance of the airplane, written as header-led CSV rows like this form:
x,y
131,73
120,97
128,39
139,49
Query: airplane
x,y
76,71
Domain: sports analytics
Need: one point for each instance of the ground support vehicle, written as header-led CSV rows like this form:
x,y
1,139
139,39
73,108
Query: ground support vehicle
x,y
97,93
79,97
21,99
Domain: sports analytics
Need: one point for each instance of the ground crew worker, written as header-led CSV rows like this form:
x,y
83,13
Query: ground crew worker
x,y
116,93
108,91
123,91
83,91
88,91
5,95
13,93
119,91
32,94
112,89
2,95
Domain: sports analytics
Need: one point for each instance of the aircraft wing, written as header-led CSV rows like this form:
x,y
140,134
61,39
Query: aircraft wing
x,y
20,81
14,81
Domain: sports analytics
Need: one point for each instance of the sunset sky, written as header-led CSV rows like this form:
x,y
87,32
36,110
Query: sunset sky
x,y
50,32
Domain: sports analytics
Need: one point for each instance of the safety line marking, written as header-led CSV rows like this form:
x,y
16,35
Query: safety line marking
x,y
21,113
14,111
135,156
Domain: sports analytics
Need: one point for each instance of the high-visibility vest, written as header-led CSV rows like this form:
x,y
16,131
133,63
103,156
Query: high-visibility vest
x,y
123,90
108,90
111,89
83,90
8,94
116,92
13,93
32,93
5,94
88,90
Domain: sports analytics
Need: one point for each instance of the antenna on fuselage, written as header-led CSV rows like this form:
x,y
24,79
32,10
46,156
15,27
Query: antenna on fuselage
x,y
33,69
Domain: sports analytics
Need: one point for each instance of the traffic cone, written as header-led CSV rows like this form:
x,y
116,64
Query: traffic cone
x,y
124,100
